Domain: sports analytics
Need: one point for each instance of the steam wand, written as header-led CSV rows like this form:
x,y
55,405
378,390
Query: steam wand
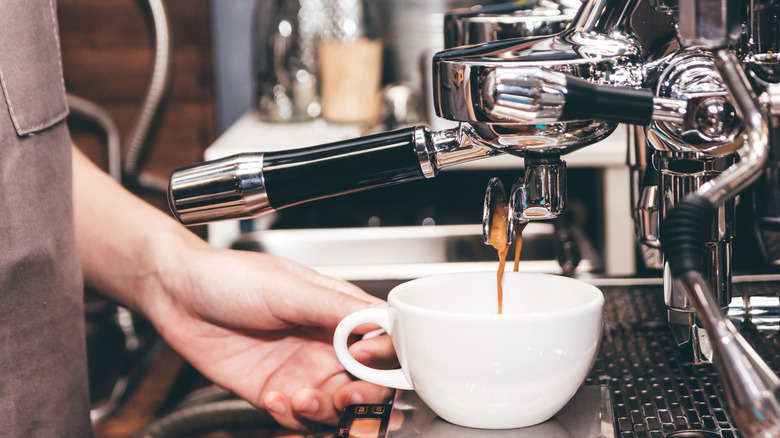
x,y
752,388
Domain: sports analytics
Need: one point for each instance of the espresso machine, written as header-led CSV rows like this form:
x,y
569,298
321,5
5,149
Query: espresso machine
x,y
698,79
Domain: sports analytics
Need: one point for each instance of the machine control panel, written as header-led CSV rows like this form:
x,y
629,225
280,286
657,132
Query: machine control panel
x,y
364,421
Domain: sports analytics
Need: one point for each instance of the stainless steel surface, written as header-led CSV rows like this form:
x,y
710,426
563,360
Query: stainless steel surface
x,y
647,219
759,310
754,155
516,95
644,200
687,155
537,195
710,24
674,185
230,188
413,31
519,139
669,110
425,153
770,99
712,128
587,415
750,384
414,28
452,147
541,192
751,387
482,24
519,95
594,47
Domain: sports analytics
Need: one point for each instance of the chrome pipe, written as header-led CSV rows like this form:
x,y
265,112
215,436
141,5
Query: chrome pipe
x,y
755,153
751,387
669,110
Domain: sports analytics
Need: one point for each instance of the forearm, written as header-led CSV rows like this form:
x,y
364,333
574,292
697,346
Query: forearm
x,y
123,241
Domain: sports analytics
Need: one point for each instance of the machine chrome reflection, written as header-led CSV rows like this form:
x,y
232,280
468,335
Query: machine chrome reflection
x,y
481,24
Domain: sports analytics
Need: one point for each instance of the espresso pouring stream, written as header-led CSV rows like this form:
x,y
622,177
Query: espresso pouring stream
x,y
498,240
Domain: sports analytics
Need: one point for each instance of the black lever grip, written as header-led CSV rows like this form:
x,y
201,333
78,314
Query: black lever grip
x,y
586,100
247,185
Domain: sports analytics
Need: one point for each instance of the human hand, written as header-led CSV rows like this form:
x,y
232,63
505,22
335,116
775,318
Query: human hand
x,y
254,324
262,327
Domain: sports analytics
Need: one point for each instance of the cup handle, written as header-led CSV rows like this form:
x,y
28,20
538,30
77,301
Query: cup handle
x,y
390,378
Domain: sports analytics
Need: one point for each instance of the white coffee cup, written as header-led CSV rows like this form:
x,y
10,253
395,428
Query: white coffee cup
x,y
477,368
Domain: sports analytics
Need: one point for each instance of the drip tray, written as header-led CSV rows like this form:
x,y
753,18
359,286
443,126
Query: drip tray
x,y
587,415
655,393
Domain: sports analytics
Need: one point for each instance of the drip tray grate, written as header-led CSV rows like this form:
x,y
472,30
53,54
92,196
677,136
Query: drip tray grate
x,y
654,393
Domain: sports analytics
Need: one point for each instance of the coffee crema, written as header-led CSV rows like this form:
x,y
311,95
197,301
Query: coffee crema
x,y
497,237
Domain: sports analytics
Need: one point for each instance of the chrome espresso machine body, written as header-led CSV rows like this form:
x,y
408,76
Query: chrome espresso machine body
x,y
700,80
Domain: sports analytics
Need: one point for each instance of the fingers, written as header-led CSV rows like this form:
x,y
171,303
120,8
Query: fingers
x,y
359,392
339,285
315,405
328,282
324,306
307,406
279,406
376,352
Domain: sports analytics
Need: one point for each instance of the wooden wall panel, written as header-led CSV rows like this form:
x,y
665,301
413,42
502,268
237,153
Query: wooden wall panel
x,y
107,49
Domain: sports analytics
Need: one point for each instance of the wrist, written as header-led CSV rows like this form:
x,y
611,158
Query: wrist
x,y
169,254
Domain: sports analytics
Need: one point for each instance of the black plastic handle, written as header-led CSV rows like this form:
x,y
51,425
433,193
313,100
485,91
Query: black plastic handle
x,y
586,100
684,234
302,175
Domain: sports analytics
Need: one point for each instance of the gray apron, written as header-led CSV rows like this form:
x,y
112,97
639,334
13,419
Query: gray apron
x,y
43,376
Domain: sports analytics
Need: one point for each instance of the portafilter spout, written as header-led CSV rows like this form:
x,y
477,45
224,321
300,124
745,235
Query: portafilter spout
x,y
496,225
539,194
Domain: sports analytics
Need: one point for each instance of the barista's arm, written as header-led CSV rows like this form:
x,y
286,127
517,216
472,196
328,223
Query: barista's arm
x,y
258,325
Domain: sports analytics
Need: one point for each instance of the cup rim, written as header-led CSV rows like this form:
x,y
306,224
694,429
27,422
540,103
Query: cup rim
x,y
596,298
